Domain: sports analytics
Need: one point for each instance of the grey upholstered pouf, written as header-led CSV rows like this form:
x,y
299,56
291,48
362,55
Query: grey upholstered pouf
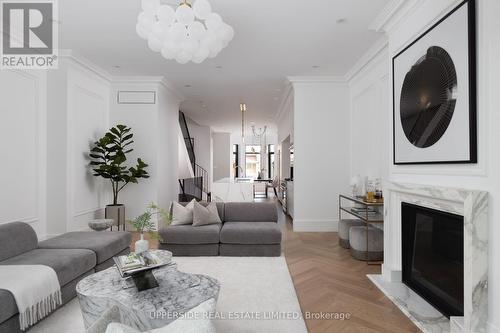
x,y
357,239
344,226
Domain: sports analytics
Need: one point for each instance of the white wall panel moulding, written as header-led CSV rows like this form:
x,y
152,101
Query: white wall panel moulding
x,y
136,97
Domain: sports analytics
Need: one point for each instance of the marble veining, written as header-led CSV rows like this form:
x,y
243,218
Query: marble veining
x,y
473,206
178,292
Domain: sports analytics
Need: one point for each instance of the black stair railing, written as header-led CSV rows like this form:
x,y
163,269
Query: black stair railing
x,y
193,188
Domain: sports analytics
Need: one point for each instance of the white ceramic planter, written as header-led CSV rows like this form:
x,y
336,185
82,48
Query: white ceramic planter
x,y
141,245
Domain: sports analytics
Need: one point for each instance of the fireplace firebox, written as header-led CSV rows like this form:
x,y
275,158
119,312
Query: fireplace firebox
x,y
433,256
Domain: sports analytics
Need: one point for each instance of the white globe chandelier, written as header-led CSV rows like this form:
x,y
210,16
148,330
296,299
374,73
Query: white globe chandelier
x,y
188,33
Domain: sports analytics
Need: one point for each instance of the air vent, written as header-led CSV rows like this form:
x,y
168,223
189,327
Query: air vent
x,y
136,97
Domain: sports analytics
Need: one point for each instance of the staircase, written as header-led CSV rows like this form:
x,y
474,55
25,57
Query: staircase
x,y
197,187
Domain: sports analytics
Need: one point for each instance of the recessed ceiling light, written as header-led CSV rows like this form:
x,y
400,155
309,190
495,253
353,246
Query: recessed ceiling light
x,y
278,89
218,67
204,106
341,20
275,98
315,66
187,86
117,67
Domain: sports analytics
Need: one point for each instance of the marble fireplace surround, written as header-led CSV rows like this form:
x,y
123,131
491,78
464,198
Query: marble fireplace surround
x,y
473,206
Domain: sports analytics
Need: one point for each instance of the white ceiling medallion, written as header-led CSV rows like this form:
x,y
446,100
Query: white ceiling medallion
x,y
187,33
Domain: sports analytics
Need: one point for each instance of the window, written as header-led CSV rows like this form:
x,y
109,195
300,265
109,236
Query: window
x,y
252,161
236,160
270,161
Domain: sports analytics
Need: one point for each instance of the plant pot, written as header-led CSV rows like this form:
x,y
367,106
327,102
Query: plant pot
x,y
141,245
116,213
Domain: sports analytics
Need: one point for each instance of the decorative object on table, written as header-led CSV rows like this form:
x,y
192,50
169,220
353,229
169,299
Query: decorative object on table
x,y
134,263
434,90
187,33
100,224
108,157
144,223
355,185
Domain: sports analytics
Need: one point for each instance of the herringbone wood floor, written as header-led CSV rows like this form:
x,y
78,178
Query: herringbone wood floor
x,y
328,280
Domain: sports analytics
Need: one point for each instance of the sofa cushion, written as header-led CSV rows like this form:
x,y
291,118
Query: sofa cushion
x,y
205,215
15,239
105,244
8,306
182,214
188,234
68,263
220,207
250,212
250,233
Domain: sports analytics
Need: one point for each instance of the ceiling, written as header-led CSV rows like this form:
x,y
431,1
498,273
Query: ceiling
x,y
274,39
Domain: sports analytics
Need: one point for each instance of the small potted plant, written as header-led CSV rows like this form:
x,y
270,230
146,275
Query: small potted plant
x,y
144,223
109,155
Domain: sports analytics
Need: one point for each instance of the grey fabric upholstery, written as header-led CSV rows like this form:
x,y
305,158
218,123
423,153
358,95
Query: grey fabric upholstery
x,y
344,226
250,212
244,250
8,306
110,262
191,250
68,263
105,244
15,239
188,234
250,233
357,239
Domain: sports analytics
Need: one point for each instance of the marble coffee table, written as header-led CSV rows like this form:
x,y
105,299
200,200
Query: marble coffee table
x,y
178,292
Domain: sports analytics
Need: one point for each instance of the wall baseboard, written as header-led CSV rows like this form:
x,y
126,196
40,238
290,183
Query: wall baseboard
x,y
315,225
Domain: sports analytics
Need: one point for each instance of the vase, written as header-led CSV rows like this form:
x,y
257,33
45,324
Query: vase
x,y
141,245
116,213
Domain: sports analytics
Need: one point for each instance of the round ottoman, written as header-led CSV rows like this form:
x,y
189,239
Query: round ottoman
x,y
344,227
100,224
357,239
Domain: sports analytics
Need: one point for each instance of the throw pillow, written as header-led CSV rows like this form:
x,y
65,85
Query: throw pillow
x,y
205,215
182,215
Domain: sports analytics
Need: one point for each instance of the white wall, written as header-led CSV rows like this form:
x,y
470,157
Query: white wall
x,y
321,152
370,129
155,128
23,111
221,156
484,175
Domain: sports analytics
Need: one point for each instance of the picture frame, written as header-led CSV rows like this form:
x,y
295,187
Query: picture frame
x,y
434,93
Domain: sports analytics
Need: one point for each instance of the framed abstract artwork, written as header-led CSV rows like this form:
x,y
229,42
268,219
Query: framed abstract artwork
x,y
434,93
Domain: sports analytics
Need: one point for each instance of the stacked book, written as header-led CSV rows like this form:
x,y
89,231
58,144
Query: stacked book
x,y
364,211
134,263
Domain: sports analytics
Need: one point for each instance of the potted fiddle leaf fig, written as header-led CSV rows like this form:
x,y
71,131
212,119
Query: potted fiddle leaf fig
x,y
108,157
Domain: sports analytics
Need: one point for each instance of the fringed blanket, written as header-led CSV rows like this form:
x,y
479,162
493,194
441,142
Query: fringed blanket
x,y
35,288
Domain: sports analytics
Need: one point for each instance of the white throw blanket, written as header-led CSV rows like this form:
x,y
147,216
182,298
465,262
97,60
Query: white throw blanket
x,y
35,288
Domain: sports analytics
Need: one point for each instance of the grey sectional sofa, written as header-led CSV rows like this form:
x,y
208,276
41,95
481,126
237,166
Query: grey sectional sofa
x,y
73,256
248,229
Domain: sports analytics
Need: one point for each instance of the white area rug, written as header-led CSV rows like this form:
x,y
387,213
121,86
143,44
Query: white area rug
x,y
250,287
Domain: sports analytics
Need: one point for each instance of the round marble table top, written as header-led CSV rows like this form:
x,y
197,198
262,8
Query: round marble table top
x,y
177,293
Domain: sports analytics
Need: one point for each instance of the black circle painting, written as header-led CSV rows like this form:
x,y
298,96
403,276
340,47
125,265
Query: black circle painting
x,y
428,98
